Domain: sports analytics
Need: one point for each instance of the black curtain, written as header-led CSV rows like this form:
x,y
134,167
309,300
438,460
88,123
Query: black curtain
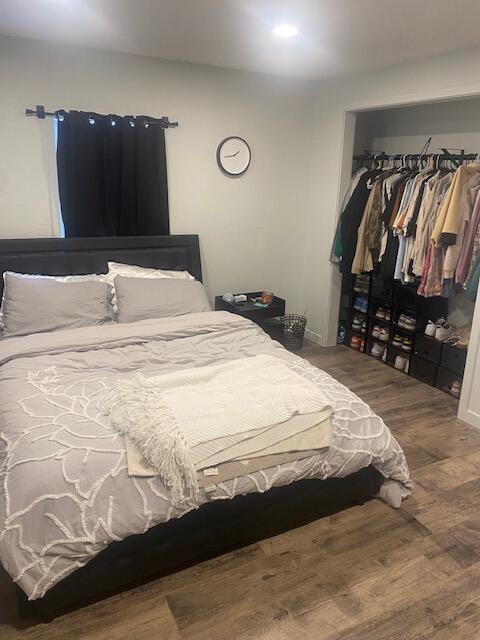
x,y
112,175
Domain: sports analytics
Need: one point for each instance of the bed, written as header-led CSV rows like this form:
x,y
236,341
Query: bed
x,y
74,526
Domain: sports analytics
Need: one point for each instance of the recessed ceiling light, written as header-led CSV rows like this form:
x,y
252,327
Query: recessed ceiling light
x,y
285,31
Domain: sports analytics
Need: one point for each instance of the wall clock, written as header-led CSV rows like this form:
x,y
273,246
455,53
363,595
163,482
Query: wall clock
x,y
233,156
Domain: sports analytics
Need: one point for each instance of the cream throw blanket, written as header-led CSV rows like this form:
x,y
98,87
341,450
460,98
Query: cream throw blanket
x,y
182,417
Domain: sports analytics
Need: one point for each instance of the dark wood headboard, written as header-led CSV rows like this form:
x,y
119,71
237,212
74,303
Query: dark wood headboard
x,y
65,256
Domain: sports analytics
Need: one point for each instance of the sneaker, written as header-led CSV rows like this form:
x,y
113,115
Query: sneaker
x,y
406,322
360,303
383,335
356,323
400,363
376,331
407,344
380,313
355,342
363,328
455,388
430,329
443,332
387,315
397,341
377,350
364,305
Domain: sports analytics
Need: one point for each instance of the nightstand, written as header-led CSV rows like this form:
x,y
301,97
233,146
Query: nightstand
x,y
268,318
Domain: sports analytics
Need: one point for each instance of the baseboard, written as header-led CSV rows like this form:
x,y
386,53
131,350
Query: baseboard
x,y
470,417
314,337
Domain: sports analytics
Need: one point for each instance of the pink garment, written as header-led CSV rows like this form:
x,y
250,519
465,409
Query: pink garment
x,y
466,252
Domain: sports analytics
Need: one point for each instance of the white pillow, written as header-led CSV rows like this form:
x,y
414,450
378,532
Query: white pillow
x,y
100,277
134,271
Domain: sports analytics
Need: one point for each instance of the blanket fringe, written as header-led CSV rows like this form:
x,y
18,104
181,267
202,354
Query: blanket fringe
x,y
136,410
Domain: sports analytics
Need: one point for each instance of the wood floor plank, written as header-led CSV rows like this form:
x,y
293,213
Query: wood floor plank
x,y
367,573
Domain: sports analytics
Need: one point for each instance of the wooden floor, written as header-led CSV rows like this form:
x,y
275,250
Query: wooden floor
x,y
367,573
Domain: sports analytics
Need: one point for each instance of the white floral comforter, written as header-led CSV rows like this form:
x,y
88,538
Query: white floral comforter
x,y
65,492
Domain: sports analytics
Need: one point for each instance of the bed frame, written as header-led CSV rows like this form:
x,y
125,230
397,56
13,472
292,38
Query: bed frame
x,y
216,527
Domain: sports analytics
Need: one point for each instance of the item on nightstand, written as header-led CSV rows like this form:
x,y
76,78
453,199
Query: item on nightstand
x,y
241,298
266,297
228,297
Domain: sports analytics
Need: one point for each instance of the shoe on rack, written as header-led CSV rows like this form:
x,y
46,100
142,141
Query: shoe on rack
x,y
406,322
380,313
376,331
407,344
377,350
356,323
363,327
364,305
397,341
456,388
355,342
430,329
383,335
400,363
387,315
443,332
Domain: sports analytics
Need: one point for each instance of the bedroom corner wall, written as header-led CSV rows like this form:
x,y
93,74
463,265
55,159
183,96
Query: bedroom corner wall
x,y
251,229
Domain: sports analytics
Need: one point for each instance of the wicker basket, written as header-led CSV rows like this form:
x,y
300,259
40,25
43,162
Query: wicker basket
x,y
293,331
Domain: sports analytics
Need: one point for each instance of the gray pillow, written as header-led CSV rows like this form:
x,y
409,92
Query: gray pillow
x,y
35,305
144,298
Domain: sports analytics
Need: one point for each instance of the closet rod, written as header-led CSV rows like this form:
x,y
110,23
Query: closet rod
x,y
416,156
40,113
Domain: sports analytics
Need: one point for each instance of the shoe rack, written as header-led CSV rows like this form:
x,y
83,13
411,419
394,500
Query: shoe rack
x,y
402,315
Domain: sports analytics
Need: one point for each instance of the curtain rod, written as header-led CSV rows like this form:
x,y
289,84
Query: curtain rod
x,y
40,112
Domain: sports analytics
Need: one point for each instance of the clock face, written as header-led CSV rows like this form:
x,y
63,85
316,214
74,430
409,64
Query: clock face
x,y
233,156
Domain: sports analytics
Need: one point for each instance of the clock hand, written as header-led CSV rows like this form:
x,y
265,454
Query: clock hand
x,y
233,155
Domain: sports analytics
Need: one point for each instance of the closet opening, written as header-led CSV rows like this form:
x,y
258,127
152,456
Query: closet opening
x,y
408,239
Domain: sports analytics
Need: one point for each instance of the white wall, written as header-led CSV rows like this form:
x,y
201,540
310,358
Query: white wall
x,y
251,228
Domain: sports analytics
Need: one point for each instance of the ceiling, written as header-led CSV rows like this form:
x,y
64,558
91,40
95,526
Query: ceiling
x,y
336,37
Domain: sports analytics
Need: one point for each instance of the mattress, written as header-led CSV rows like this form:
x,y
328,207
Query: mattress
x,y
65,488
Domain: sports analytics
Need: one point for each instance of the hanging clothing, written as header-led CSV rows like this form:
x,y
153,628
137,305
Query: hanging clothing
x,y
351,219
465,257
336,252
455,206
